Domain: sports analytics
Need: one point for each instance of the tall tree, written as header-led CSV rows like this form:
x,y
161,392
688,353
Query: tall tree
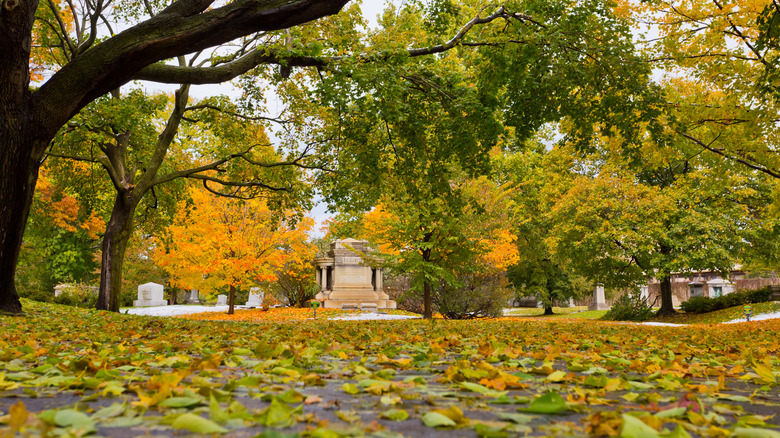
x,y
539,177
92,61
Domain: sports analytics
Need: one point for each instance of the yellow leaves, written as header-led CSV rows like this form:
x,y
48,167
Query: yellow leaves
x,y
762,374
157,389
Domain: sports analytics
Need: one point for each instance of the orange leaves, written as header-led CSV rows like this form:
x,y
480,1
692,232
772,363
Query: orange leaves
x,y
281,314
222,242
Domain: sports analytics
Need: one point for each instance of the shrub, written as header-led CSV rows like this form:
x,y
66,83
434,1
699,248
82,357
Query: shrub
x,y
37,295
705,305
630,306
77,295
478,296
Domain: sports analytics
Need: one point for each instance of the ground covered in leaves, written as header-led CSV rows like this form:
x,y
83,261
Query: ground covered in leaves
x,y
71,372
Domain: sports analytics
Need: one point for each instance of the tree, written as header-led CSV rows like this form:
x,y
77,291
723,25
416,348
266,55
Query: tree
x,y
228,243
60,240
227,152
93,65
618,225
721,63
450,254
538,177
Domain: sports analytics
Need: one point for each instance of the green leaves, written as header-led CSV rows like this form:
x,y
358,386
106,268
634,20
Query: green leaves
x,y
435,419
549,403
197,424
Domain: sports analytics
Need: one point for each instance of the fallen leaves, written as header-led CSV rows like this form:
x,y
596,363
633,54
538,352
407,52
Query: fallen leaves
x,y
323,378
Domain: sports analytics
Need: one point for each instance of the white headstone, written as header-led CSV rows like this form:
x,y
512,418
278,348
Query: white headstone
x,y
192,297
150,294
571,302
599,300
256,297
221,300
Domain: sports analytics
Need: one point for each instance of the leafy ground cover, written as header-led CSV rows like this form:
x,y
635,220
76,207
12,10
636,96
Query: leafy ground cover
x,y
72,372
279,314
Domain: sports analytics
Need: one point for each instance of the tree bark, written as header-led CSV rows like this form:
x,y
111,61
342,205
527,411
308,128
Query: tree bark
x,y
118,232
17,184
427,301
548,309
20,143
667,307
231,299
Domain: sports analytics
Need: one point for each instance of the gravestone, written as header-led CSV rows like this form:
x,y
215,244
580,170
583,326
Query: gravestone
x,y
150,294
599,301
256,297
58,289
571,302
221,300
192,297
347,279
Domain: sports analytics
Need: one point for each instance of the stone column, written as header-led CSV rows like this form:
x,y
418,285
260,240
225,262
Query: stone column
x,y
379,284
324,277
644,292
599,301
318,275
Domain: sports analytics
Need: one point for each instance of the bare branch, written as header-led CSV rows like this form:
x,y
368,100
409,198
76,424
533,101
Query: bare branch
x,y
235,114
751,164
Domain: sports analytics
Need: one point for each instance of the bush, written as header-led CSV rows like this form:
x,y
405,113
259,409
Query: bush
x,y
37,295
705,305
630,306
478,296
78,295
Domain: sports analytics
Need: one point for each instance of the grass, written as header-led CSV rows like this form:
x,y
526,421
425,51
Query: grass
x,y
719,316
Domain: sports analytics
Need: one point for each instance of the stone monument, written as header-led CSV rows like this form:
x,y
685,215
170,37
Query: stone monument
x,y
256,297
150,294
347,281
719,287
599,301
192,297
222,300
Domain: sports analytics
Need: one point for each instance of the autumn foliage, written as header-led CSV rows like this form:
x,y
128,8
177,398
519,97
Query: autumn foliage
x,y
224,244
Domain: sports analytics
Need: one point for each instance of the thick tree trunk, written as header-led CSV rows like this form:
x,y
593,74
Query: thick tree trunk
x,y
22,141
118,232
548,309
231,299
667,307
17,184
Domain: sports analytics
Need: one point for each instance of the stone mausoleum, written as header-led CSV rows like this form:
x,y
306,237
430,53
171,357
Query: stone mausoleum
x,y
346,279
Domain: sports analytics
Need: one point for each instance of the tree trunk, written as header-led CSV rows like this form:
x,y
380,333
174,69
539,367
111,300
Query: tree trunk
x,y
231,299
118,232
22,141
17,184
427,307
548,309
667,307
